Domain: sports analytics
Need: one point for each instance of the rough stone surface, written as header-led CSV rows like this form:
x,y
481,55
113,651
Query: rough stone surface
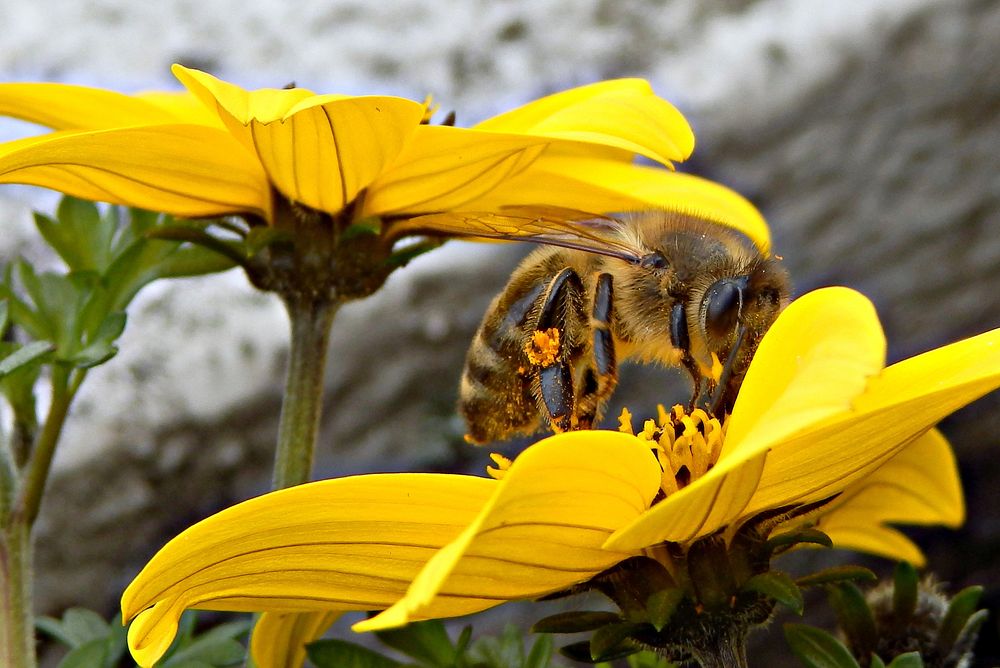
x,y
866,130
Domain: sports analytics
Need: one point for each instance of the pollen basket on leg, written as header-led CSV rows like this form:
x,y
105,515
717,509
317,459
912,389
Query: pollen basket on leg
x,y
543,347
686,445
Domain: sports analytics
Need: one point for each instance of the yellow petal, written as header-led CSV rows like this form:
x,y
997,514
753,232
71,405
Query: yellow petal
x,y
812,363
346,544
544,526
897,407
710,502
279,638
66,107
920,485
443,168
265,105
625,114
185,170
327,151
606,185
183,106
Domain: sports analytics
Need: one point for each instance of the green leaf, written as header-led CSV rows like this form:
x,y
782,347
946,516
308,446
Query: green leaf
x,y
210,650
82,626
575,621
26,354
960,610
4,317
904,592
608,642
777,586
908,660
87,655
53,628
837,574
505,651
854,616
427,642
816,648
662,605
343,654
876,662
90,234
540,655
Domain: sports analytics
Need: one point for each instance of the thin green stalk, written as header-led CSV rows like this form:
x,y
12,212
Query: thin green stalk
x,y
64,387
17,633
302,405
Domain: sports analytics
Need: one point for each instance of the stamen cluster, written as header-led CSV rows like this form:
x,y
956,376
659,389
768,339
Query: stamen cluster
x,y
686,445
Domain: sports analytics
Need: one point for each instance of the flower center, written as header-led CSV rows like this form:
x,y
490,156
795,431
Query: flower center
x,y
686,445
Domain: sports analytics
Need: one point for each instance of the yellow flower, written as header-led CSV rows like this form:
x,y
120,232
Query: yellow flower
x,y
818,423
218,149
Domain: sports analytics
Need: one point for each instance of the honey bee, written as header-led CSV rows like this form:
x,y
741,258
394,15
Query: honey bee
x,y
651,286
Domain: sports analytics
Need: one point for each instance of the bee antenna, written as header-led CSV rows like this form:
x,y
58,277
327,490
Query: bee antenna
x,y
719,395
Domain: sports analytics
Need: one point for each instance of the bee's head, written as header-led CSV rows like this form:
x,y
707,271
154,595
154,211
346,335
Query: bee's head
x,y
734,313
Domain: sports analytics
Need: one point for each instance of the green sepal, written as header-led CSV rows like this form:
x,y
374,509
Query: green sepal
x,y
777,586
876,662
342,654
908,660
609,641
662,605
427,642
816,648
372,225
263,236
580,651
406,254
904,592
960,610
185,233
792,538
23,356
836,575
575,621
854,616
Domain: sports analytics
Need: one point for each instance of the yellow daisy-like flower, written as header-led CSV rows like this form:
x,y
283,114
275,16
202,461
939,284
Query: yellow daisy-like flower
x,y
219,150
819,423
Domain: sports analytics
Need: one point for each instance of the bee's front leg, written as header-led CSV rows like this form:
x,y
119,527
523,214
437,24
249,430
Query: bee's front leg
x,y
550,349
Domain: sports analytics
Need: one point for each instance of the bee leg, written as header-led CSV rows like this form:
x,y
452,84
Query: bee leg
x,y
602,375
681,341
555,377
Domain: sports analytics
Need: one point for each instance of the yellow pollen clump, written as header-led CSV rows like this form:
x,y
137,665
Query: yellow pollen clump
x,y
686,445
543,347
502,464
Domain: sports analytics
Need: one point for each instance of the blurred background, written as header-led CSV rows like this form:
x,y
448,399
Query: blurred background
x,y
867,131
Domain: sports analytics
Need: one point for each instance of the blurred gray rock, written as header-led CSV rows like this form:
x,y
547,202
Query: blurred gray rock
x,y
867,131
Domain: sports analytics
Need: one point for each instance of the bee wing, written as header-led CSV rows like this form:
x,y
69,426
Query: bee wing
x,y
550,225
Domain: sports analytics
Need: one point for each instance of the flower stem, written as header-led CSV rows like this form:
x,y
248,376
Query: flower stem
x,y
726,648
311,320
64,387
17,635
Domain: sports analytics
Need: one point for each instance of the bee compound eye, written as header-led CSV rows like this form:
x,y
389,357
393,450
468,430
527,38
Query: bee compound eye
x,y
722,305
654,260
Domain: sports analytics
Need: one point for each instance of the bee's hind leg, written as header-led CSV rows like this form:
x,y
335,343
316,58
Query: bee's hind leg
x,y
601,375
554,388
